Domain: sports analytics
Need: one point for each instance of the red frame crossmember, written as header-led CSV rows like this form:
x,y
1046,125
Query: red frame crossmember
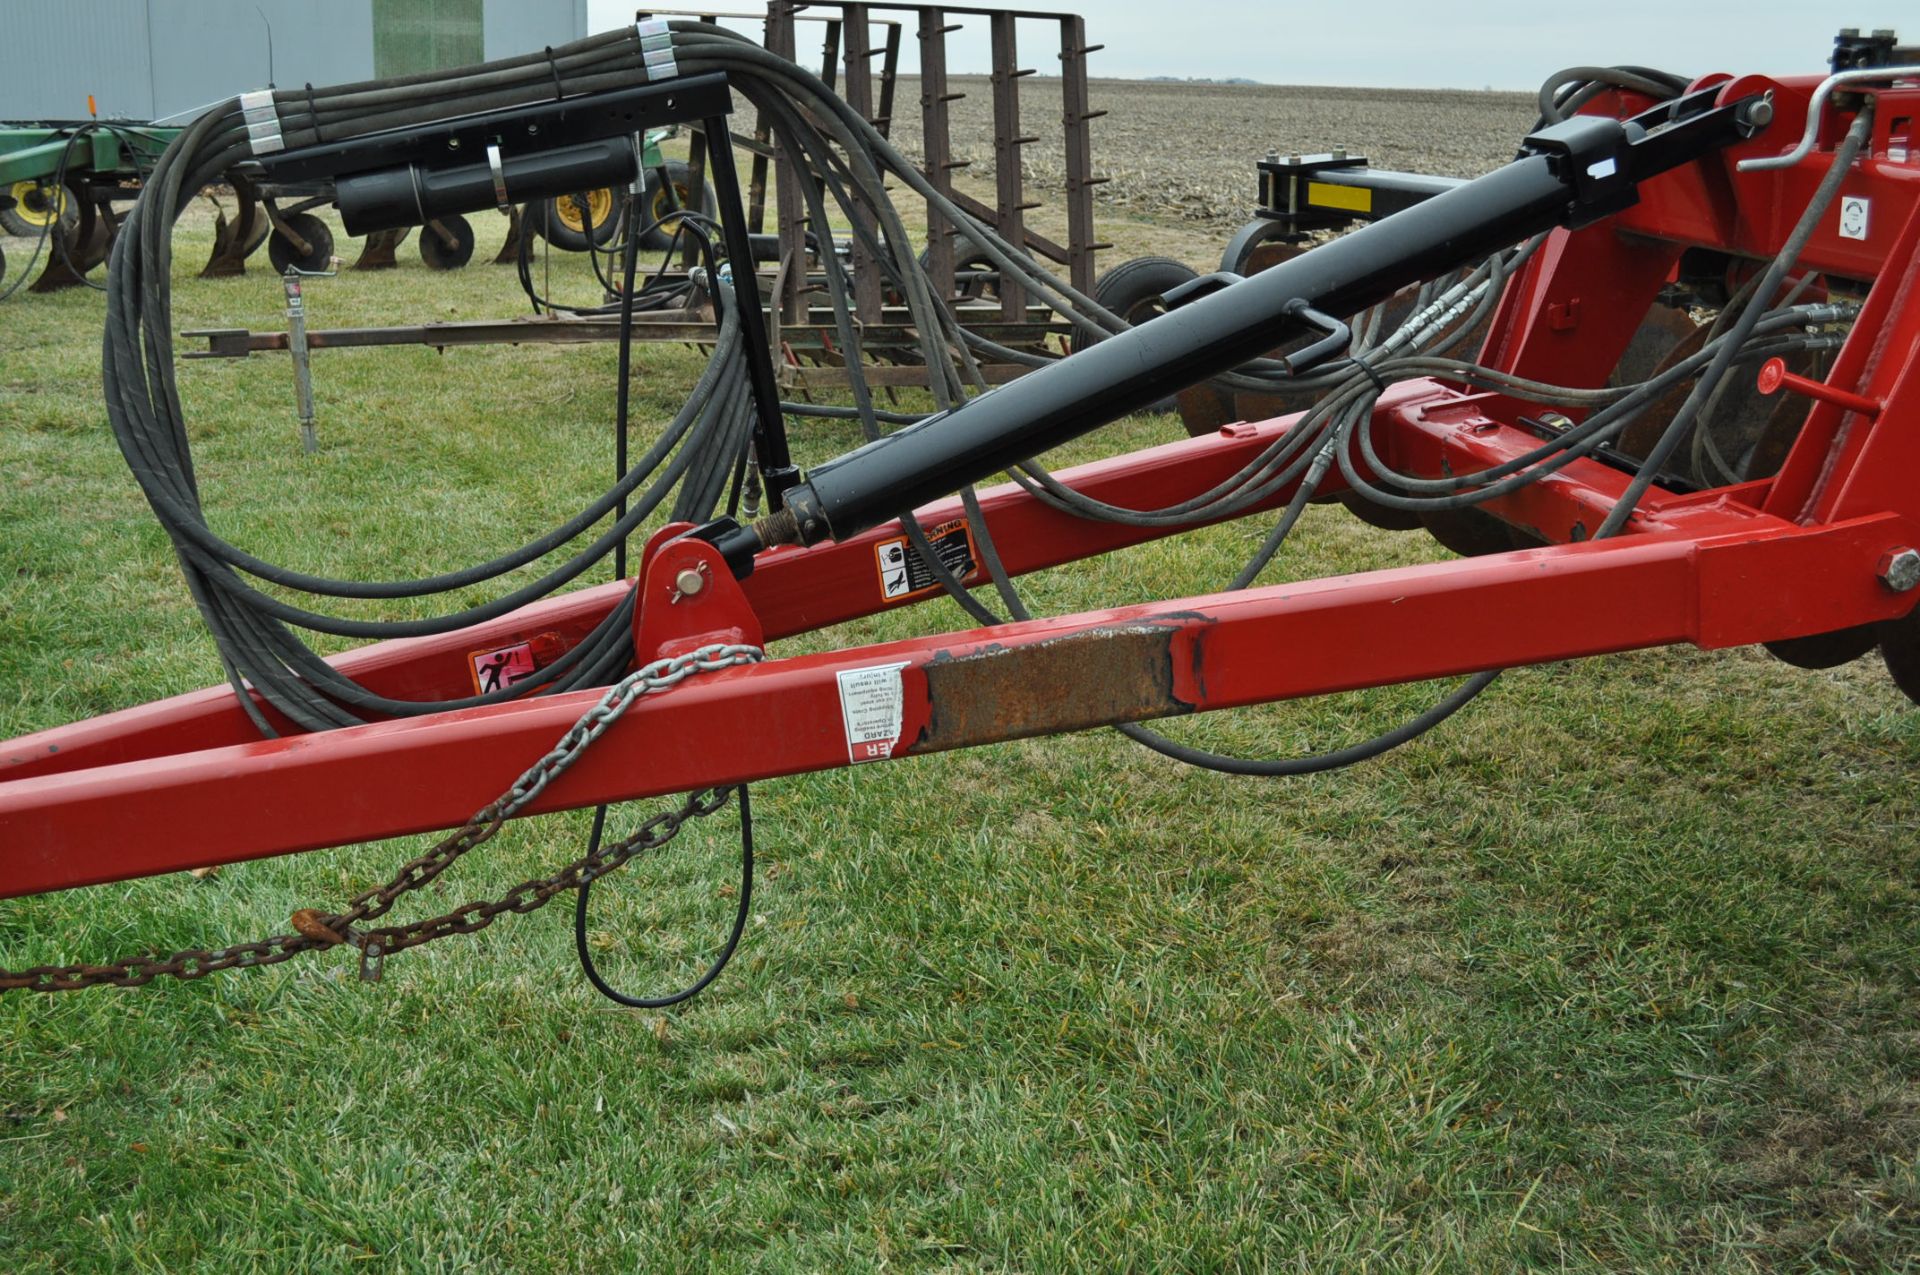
x,y
186,782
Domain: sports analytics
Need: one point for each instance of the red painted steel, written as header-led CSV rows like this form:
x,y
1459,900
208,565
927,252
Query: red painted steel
x,y
183,782
793,590
1774,377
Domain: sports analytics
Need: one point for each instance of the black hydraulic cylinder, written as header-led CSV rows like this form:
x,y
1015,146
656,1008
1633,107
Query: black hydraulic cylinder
x,y
412,195
1218,332
1580,170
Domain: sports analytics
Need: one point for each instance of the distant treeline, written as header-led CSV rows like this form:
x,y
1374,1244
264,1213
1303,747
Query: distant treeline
x,y
1197,79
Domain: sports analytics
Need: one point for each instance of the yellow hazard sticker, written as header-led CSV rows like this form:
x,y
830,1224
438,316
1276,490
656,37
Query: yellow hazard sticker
x,y
1345,198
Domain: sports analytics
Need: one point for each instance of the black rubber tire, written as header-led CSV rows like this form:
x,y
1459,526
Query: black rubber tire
x,y
1250,236
437,254
1385,517
3,265
1900,649
1825,650
319,238
680,177
602,217
17,223
1132,290
975,278
1470,532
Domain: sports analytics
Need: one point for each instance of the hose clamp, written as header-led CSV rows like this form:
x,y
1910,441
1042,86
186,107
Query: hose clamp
x,y
497,167
660,65
656,49
263,122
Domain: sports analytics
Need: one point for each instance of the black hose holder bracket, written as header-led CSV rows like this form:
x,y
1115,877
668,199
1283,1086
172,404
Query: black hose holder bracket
x,y
407,176
1590,154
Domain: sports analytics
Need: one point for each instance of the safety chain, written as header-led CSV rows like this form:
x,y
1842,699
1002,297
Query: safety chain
x,y
317,930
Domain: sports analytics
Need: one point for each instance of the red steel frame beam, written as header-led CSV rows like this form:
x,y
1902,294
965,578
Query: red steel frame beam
x,y
792,591
1786,557
1733,577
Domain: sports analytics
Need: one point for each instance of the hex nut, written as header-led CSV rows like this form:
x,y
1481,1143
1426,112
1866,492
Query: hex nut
x,y
1900,570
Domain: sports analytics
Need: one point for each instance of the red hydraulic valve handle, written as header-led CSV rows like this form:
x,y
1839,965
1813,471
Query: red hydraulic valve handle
x,y
1774,377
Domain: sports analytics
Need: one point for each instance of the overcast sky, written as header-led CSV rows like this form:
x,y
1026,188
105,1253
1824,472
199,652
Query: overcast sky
x,y
1415,43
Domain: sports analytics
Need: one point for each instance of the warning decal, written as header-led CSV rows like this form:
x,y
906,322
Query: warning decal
x,y
872,702
497,670
1854,211
905,574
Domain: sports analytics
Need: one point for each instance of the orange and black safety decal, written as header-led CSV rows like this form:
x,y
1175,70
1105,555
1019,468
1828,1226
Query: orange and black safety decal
x,y
905,574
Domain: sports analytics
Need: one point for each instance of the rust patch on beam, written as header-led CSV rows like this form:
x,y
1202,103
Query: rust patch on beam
x,y
1080,680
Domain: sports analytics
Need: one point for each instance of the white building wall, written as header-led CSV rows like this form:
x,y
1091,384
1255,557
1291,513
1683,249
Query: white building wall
x,y
147,59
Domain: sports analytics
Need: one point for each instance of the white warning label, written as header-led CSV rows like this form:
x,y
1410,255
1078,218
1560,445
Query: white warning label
x,y
1854,210
872,702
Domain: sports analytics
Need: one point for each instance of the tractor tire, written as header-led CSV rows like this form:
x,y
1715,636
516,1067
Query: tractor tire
x,y
1242,252
975,277
320,245
1470,532
576,222
1825,650
34,206
680,177
1132,290
437,253
1900,649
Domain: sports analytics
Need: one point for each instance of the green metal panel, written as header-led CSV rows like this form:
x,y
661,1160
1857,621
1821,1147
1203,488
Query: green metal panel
x,y
33,154
426,35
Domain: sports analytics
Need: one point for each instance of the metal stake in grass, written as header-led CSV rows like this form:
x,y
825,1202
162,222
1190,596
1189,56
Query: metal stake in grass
x,y
297,344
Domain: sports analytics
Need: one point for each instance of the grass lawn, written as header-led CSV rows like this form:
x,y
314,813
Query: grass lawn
x,y
1616,970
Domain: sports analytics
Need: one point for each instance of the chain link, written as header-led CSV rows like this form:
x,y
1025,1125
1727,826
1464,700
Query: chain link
x,y
316,930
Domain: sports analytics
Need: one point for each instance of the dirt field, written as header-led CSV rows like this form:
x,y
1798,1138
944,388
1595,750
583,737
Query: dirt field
x,y
1186,152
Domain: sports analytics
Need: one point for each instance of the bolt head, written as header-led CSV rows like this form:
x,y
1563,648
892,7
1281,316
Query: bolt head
x,y
689,582
1900,570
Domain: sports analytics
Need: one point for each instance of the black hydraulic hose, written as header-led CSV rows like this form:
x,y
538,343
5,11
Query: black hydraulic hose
x,y
852,164
623,384
1776,273
257,650
1722,354
1214,333
742,910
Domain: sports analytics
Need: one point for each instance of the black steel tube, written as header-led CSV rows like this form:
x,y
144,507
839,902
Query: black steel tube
x,y
1576,172
1213,334
770,425
412,195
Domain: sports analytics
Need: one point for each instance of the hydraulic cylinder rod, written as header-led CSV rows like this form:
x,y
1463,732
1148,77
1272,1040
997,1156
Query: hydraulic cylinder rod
x,y
1577,171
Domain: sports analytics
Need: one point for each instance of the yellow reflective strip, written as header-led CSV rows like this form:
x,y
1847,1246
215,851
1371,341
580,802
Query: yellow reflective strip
x,y
1345,198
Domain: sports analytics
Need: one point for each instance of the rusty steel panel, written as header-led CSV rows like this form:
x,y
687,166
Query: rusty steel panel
x,y
1073,682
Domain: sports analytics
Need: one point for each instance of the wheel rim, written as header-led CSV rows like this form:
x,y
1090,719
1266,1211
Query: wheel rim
x,y
38,205
976,279
599,208
664,216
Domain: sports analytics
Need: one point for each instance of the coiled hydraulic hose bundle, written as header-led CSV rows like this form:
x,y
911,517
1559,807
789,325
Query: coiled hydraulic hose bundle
x,y
708,439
